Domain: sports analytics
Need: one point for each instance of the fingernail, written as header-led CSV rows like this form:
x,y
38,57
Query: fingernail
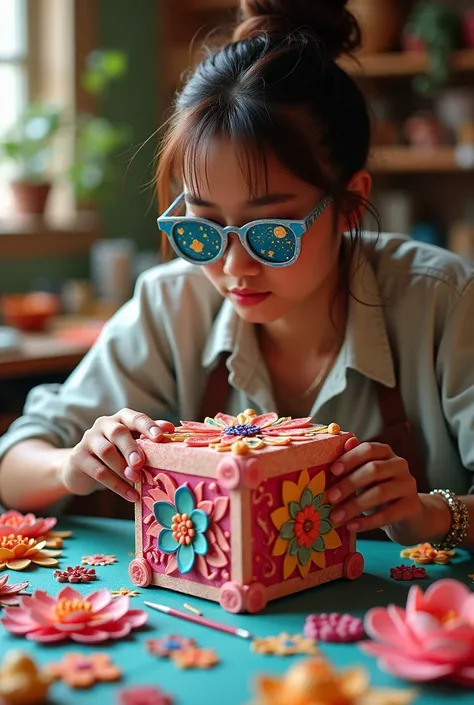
x,y
131,474
134,458
334,495
338,516
353,526
155,431
132,495
337,469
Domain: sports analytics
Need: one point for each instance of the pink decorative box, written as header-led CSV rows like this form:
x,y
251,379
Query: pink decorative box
x,y
244,526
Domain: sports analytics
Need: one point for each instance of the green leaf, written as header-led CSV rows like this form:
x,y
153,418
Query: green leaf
x,y
317,501
306,498
287,531
294,508
325,527
304,554
293,547
324,511
319,545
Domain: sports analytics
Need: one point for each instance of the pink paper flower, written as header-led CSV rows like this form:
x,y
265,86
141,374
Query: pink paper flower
x,y
143,695
88,619
335,627
28,525
432,638
9,593
76,574
99,559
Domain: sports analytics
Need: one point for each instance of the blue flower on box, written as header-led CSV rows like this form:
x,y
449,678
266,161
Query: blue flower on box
x,y
183,528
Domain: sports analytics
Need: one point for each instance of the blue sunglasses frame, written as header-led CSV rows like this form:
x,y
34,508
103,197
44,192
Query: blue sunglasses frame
x,y
168,222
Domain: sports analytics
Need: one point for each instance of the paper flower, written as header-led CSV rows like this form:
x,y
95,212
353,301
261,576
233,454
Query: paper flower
x,y
334,627
22,682
78,574
143,695
99,559
424,554
84,670
17,553
284,645
123,591
88,619
167,645
184,528
316,681
407,572
195,658
28,525
218,551
432,638
305,531
223,431
9,593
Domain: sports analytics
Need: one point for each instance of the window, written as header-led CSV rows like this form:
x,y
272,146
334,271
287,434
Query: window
x,y
13,72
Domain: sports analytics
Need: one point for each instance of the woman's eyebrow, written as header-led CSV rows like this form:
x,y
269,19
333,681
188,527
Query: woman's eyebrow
x,y
268,199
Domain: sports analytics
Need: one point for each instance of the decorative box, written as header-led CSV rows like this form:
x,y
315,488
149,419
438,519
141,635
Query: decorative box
x,y
235,510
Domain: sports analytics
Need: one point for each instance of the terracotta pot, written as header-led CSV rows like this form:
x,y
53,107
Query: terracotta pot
x,y
30,199
468,29
381,23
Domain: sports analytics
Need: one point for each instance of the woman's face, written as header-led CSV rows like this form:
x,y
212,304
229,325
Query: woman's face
x,y
260,293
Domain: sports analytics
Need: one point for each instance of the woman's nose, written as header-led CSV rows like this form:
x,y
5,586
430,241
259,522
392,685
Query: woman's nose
x,y
237,261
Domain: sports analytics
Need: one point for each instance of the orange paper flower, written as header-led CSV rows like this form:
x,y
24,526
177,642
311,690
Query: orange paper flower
x,y
83,671
195,658
17,553
424,554
285,645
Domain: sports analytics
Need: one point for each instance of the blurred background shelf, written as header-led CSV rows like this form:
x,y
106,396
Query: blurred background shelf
x,y
27,238
409,63
390,160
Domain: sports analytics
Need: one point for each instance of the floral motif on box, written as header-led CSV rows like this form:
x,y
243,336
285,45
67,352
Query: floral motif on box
x,y
186,527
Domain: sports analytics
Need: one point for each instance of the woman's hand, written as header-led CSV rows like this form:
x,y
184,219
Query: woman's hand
x,y
375,490
109,455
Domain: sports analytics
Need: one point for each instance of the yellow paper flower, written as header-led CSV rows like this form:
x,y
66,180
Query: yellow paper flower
x,y
303,522
124,592
425,554
285,645
17,553
315,682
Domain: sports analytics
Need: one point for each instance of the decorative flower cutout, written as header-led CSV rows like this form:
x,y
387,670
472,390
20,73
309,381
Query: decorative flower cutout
x,y
143,695
32,527
78,574
84,670
184,528
124,592
334,627
424,554
22,682
166,646
99,559
88,619
285,645
432,638
17,553
195,658
223,431
316,681
303,522
9,593
407,572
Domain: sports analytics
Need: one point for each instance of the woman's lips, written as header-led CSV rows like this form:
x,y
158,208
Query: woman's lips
x,y
248,297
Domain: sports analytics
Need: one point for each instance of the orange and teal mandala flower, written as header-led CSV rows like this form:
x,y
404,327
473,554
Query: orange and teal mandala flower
x,y
305,531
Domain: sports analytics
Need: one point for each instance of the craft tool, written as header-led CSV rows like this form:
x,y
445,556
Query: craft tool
x,y
236,631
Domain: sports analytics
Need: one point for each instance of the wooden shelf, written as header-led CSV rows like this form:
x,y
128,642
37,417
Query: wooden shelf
x,y
410,63
33,237
386,160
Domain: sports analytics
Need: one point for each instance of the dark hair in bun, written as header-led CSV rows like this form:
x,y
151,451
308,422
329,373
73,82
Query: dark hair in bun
x,y
329,20
276,88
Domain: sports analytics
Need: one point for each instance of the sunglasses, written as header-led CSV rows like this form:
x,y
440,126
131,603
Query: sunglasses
x,y
276,243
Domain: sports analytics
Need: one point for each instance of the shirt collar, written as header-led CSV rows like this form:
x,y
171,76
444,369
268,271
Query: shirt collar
x,y
366,348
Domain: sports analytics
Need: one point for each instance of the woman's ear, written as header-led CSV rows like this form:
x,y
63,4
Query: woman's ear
x,y
360,185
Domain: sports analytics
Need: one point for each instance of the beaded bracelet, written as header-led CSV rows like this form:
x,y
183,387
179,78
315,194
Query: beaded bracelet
x,y
460,520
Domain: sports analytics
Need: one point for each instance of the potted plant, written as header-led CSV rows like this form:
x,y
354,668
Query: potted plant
x,y
435,28
29,144
98,140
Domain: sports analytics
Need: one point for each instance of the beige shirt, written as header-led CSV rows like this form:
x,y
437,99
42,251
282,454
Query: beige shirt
x,y
409,300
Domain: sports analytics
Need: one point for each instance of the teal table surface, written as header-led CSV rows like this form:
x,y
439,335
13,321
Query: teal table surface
x,y
231,682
